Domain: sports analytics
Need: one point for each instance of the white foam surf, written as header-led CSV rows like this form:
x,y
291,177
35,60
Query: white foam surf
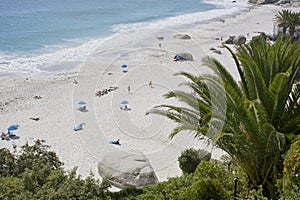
x,y
78,50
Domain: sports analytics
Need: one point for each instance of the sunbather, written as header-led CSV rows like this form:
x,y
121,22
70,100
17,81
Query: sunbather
x,y
79,127
82,108
98,93
35,118
125,108
114,141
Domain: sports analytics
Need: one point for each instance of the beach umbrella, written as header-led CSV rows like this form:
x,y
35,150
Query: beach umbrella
x,y
13,127
124,102
124,66
81,103
179,56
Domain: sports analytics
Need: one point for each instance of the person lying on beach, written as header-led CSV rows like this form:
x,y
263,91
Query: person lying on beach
x,y
114,141
99,93
79,127
82,108
35,119
37,97
125,108
10,134
112,88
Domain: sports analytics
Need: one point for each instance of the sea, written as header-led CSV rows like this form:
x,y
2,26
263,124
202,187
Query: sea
x,y
35,33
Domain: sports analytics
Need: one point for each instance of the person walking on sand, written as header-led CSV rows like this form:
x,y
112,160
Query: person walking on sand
x,y
128,89
150,84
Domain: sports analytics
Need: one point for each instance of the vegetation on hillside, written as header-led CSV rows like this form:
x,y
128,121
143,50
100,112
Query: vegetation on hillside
x,y
37,173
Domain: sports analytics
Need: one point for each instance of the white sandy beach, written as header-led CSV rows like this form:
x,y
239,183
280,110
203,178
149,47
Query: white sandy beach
x,y
105,120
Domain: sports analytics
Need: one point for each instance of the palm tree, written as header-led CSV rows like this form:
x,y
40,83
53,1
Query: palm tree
x,y
293,22
282,19
288,20
252,120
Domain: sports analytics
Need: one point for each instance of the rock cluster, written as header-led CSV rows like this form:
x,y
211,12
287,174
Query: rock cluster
x,y
277,2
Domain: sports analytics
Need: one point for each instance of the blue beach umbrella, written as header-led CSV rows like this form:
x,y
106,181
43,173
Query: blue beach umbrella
x,y
81,103
179,56
124,66
124,102
13,127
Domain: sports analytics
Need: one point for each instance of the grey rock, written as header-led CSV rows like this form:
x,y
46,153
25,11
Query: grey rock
x,y
239,40
182,36
125,169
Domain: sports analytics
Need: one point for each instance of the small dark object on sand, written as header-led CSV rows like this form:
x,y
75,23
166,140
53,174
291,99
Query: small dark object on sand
x,y
37,97
35,118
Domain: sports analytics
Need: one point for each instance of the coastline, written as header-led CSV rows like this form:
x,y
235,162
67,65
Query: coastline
x,y
104,120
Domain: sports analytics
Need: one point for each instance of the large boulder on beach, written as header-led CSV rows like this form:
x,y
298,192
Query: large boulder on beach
x,y
125,169
239,40
182,36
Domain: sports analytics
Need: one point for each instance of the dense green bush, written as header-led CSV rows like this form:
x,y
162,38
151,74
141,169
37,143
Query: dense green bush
x,y
206,189
36,173
222,176
289,185
190,158
169,189
127,193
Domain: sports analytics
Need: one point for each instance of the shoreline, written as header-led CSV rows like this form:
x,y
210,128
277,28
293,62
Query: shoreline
x,y
33,62
104,120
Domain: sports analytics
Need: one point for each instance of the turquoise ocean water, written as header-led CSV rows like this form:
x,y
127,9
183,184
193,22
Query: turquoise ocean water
x,y
42,32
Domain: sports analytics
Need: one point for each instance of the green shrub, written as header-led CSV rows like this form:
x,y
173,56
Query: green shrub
x,y
218,171
207,189
127,193
190,158
257,194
